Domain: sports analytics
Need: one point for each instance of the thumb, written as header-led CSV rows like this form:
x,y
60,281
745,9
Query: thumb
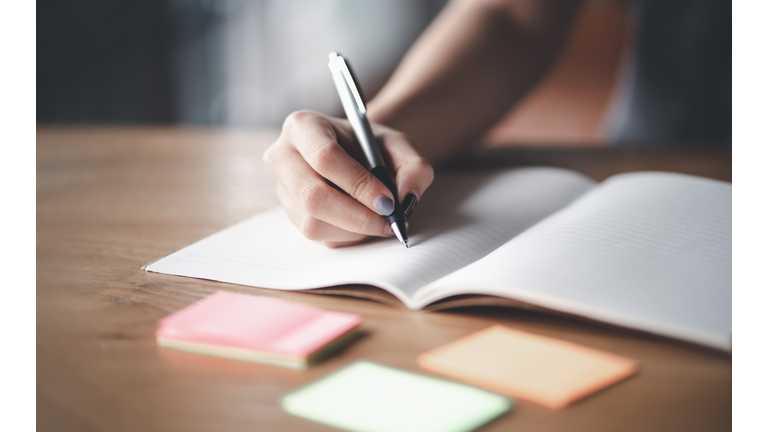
x,y
413,173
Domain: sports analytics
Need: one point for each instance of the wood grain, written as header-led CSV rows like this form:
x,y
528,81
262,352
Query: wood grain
x,y
111,199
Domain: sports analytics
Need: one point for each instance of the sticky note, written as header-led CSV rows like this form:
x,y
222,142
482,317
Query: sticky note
x,y
368,396
550,372
257,329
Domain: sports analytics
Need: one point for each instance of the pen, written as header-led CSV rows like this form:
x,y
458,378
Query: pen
x,y
354,107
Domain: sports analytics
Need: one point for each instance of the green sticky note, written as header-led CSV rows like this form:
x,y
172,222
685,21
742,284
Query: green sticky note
x,y
367,396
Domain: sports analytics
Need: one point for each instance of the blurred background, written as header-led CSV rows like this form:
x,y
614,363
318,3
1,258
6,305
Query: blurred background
x,y
249,63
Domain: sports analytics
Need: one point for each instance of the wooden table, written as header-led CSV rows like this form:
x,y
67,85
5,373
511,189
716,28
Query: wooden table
x,y
110,199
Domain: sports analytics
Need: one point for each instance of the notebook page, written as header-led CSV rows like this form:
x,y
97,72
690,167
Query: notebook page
x,y
644,250
460,219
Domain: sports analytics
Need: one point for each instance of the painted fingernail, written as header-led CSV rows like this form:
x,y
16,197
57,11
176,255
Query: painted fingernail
x,y
384,205
409,203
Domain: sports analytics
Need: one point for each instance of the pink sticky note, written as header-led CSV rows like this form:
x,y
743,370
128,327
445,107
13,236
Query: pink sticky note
x,y
250,327
544,370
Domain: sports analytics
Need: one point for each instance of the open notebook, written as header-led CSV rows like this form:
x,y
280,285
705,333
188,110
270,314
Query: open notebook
x,y
649,250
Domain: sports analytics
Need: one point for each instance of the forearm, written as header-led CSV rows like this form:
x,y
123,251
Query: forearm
x,y
474,61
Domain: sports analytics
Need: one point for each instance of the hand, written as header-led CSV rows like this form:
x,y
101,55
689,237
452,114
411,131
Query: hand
x,y
313,148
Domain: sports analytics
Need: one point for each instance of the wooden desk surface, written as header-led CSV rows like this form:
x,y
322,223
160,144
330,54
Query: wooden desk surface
x,y
112,199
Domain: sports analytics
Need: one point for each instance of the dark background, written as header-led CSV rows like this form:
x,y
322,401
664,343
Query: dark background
x,y
112,61
165,61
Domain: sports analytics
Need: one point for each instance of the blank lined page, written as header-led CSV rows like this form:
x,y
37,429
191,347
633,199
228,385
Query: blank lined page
x,y
644,250
461,218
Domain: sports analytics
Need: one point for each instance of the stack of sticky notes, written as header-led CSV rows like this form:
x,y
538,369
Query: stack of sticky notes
x,y
257,329
540,369
367,396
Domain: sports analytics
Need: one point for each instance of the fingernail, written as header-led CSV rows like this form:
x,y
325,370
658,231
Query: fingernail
x,y
384,205
409,203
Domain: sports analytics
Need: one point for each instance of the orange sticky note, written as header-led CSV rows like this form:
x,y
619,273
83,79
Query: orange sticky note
x,y
551,372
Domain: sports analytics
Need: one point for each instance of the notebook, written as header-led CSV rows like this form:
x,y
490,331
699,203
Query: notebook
x,y
551,372
367,396
257,329
649,251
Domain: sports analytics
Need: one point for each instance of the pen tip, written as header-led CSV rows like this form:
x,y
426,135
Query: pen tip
x,y
405,242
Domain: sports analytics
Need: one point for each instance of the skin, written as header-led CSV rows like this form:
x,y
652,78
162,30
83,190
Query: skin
x,y
473,62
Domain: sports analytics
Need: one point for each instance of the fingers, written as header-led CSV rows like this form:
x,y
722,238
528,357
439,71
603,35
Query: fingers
x,y
413,173
319,140
316,229
317,209
313,148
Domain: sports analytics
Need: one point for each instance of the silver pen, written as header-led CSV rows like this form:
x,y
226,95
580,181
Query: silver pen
x,y
354,107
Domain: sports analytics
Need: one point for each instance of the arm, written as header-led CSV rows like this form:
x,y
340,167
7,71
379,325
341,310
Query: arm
x,y
473,62
468,68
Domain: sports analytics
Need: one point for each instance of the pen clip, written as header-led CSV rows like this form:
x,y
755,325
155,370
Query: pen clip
x,y
341,65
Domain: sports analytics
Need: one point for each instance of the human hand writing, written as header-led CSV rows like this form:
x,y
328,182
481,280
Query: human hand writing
x,y
313,148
